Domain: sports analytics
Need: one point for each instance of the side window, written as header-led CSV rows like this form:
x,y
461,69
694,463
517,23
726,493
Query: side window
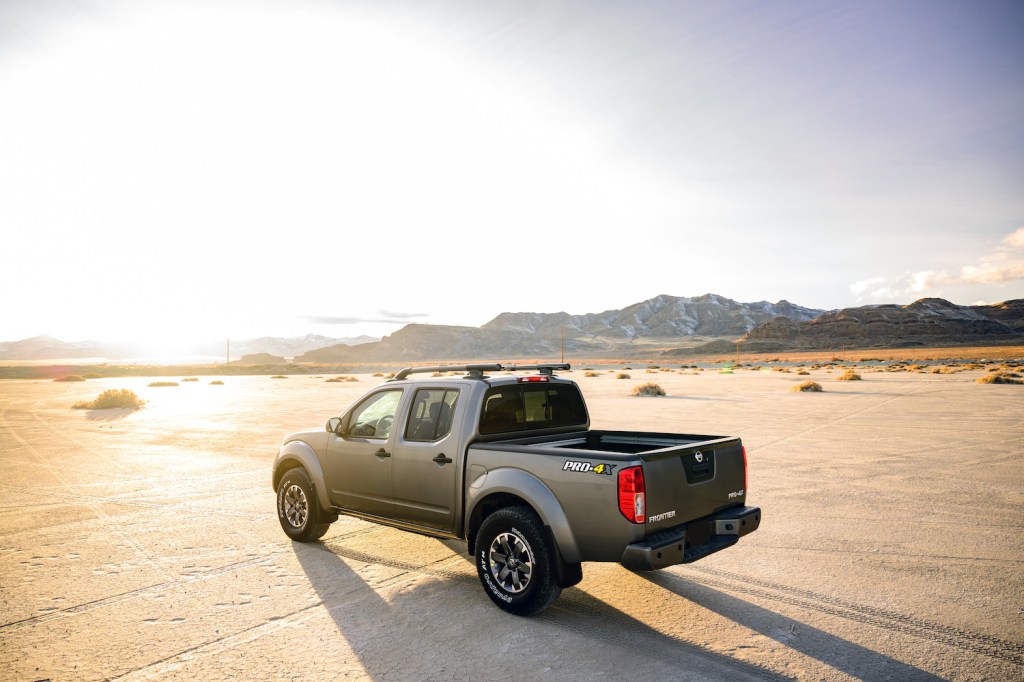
x,y
430,417
375,415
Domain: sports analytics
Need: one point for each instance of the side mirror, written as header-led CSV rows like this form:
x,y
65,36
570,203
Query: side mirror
x,y
334,424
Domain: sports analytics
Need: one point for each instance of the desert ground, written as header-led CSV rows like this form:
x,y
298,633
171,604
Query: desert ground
x,y
145,545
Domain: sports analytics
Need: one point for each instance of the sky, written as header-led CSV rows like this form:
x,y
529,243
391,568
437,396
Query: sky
x,y
186,170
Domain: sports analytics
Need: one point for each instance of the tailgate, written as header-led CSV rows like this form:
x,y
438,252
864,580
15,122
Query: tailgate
x,y
689,482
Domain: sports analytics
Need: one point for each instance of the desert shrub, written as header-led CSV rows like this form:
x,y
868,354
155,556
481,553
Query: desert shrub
x,y
725,370
279,376
93,376
999,378
113,398
627,368
333,380
216,382
378,374
191,379
648,389
650,371
848,375
808,386
591,374
803,372
622,375
158,384
389,375
70,377
653,367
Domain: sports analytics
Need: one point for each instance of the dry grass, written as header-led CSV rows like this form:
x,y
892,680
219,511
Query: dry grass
x,y
848,375
70,377
804,373
808,385
1000,378
191,379
111,399
648,390
279,376
159,384
334,380
623,375
591,374
216,382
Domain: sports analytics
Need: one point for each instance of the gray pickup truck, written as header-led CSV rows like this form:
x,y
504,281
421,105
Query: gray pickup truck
x,y
510,464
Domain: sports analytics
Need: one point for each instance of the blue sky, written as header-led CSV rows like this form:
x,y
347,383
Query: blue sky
x,y
191,170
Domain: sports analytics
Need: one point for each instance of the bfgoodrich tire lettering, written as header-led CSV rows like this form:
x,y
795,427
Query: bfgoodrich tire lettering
x,y
515,561
298,509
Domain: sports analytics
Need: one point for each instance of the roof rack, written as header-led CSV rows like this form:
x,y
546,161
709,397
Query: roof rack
x,y
477,371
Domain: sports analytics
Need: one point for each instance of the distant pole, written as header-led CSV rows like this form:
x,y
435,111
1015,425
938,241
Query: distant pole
x,y
227,358
563,345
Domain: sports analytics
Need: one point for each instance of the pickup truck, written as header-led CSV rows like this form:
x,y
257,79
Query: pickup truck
x,y
509,464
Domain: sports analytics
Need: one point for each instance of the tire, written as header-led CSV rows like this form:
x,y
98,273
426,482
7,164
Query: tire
x,y
298,509
527,584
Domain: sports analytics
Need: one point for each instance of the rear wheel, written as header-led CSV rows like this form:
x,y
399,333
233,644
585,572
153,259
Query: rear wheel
x,y
515,561
297,507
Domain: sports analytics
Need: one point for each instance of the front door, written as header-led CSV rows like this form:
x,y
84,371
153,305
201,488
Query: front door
x,y
426,461
359,461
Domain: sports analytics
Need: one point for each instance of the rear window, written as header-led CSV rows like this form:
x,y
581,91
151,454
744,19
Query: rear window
x,y
523,407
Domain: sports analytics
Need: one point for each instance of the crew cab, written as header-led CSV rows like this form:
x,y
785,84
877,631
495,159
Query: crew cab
x,y
508,462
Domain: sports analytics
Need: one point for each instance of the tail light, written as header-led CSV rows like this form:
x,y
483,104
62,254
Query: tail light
x,y
744,448
632,499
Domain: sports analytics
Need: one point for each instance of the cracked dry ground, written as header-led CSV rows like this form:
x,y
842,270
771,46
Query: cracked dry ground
x,y
145,545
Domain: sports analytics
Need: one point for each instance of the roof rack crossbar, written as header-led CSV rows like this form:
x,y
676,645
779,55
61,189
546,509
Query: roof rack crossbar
x,y
477,371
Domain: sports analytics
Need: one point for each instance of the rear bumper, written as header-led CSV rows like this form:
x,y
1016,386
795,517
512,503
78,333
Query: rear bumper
x,y
689,542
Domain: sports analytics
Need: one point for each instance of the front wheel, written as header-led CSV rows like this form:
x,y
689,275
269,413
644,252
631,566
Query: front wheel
x,y
297,507
515,562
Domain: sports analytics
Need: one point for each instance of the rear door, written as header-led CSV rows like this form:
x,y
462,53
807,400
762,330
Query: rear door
x,y
427,459
687,483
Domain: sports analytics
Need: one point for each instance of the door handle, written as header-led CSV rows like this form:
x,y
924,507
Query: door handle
x,y
442,460
382,453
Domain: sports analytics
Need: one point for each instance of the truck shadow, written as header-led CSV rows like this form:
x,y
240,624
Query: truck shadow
x,y
843,655
436,622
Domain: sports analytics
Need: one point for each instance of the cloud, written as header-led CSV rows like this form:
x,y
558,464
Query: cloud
x,y
926,280
386,317
1006,264
404,316
992,273
1014,240
907,284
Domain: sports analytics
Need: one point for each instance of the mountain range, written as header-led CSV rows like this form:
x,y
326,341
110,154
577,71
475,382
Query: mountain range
x,y
50,348
926,322
671,324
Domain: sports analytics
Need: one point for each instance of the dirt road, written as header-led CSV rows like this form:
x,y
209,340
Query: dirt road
x,y
144,545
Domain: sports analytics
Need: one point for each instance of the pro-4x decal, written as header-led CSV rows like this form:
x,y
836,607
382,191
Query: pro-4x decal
x,y
588,468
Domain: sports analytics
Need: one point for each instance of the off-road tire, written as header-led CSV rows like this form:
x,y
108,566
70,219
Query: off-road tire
x,y
515,561
298,509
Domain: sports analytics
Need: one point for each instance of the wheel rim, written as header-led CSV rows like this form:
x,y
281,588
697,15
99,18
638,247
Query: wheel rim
x,y
296,508
511,562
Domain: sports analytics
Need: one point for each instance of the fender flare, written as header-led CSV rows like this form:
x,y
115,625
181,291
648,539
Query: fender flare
x,y
301,453
531,489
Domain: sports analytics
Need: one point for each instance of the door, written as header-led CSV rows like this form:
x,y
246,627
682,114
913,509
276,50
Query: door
x,y
426,460
359,461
